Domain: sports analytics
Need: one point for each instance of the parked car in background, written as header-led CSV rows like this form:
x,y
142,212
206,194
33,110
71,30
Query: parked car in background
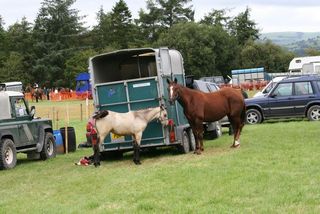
x,y
11,86
214,129
290,98
269,86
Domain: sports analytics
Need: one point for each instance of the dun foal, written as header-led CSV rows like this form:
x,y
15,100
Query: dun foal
x,y
202,107
130,123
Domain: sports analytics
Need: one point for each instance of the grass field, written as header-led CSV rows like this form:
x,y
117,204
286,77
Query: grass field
x,y
276,170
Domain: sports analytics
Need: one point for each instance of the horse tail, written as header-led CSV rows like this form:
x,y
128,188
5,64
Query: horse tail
x,y
243,114
100,115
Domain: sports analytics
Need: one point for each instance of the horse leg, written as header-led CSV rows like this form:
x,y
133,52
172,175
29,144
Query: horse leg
x,y
96,152
195,134
136,148
198,133
237,128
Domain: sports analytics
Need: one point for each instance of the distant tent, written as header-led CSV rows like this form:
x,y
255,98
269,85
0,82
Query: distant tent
x,y
83,82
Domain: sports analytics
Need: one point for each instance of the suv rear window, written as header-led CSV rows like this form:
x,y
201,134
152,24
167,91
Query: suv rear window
x,y
303,88
318,83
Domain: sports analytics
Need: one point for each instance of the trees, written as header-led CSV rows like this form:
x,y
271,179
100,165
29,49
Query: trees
x,y
56,31
162,15
2,42
268,55
217,18
56,47
243,28
76,64
206,49
115,29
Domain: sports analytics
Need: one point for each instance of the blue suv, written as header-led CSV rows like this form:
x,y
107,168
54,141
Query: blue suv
x,y
291,97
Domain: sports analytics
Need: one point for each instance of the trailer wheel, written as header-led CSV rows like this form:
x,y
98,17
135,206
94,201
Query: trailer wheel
x,y
8,154
192,140
185,146
49,147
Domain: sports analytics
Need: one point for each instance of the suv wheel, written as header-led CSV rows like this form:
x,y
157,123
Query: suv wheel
x,y
253,116
8,154
49,147
314,113
218,131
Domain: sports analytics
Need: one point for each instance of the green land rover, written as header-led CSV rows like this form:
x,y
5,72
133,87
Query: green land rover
x,y
21,132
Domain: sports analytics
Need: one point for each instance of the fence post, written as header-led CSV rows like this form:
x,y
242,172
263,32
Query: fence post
x,y
87,108
57,119
66,129
81,116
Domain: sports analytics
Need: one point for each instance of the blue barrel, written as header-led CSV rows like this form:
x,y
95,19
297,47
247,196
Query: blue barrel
x,y
59,141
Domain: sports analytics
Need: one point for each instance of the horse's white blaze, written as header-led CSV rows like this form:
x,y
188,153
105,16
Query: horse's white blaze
x,y
171,92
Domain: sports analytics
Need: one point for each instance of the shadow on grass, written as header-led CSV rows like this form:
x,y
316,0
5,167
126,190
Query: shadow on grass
x,y
149,153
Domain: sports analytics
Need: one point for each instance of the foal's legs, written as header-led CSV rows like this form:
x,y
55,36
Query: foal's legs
x,y
136,148
96,153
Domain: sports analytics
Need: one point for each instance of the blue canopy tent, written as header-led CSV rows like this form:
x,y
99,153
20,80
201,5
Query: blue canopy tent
x,y
83,82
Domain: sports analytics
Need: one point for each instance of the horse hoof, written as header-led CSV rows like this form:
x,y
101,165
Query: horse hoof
x,y
137,162
235,146
198,152
96,164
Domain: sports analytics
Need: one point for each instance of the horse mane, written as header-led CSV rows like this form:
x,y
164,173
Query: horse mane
x,y
100,114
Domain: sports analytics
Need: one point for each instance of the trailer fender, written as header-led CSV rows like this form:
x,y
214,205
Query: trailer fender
x,y
180,130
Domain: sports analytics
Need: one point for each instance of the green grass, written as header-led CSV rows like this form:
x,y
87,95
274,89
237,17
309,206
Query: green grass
x,y
276,170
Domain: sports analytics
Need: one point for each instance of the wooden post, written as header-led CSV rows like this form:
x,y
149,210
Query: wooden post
x,y
53,117
87,108
66,129
57,119
81,116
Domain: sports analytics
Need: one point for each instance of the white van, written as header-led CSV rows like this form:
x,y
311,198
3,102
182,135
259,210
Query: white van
x,y
308,64
269,86
11,86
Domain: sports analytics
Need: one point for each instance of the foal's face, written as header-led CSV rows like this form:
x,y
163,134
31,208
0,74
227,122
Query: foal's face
x,y
173,90
164,117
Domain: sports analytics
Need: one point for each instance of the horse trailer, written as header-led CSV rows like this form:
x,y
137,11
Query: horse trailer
x,y
133,79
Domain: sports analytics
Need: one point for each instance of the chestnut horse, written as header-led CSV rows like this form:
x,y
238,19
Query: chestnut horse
x,y
202,107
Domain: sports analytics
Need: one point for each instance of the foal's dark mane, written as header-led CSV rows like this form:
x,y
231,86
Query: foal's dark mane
x,y
100,114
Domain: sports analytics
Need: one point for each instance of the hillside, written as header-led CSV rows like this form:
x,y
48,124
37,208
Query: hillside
x,y
286,38
296,42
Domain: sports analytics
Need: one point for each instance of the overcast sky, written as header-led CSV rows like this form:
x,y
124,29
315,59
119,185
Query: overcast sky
x,y
270,15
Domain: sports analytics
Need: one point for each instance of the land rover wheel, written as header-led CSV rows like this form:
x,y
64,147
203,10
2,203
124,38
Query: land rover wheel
x,y
314,113
253,116
8,154
49,147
